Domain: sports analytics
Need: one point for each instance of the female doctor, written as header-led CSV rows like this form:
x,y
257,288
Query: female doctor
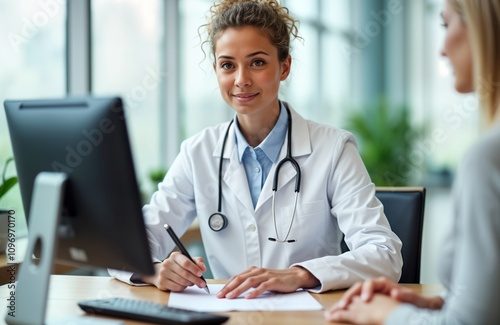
x,y
258,237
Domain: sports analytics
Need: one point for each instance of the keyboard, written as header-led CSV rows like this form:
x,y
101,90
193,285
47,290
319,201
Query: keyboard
x,y
146,311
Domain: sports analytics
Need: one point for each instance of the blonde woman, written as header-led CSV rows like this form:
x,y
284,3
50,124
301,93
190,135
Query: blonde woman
x,y
470,262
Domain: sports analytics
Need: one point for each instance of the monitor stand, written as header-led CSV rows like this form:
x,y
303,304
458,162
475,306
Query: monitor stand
x,y
32,284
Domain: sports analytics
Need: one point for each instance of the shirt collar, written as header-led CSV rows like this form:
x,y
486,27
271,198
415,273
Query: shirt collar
x,y
272,144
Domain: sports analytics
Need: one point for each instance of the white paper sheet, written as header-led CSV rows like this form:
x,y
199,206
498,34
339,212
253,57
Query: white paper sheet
x,y
195,298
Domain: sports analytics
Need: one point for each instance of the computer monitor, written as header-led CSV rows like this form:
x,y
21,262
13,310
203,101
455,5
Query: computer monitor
x,y
79,190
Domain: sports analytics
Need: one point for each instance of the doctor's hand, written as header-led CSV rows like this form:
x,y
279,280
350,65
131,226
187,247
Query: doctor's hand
x,y
177,272
262,279
365,290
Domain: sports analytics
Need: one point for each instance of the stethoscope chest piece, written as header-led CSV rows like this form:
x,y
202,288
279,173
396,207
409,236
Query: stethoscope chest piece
x,y
217,221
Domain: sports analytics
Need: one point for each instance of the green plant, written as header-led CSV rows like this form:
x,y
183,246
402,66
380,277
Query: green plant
x,y
156,176
386,139
7,183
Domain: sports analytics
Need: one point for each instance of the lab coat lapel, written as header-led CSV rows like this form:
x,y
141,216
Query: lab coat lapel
x,y
234,176
236,179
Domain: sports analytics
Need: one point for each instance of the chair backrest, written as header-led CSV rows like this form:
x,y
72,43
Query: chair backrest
x,y
404,208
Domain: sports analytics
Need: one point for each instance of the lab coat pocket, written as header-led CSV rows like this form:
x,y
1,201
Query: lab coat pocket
x,y
307,224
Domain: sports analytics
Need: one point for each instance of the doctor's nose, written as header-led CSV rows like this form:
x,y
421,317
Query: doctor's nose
x,y
242,78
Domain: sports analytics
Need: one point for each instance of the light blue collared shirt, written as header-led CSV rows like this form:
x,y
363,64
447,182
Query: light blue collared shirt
x,y
259,160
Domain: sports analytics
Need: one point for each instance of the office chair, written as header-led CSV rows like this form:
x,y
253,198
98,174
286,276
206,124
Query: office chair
x,y
404,208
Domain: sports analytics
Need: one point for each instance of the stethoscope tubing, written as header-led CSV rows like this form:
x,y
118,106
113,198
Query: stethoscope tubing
x,y
219,206
288,158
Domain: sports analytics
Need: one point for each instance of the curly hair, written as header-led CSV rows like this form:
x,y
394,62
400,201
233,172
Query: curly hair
x,y
273,19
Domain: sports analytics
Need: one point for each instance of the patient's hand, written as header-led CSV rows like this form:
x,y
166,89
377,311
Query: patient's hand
x,y
359,311
366,289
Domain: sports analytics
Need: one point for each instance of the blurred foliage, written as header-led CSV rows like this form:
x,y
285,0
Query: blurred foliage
x,y
7,182
157,175
154,177
386,138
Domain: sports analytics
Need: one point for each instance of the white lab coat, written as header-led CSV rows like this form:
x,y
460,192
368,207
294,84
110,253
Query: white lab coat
x,y
336,196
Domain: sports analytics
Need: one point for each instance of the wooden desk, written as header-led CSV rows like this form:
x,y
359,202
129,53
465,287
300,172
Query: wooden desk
x,y
67,290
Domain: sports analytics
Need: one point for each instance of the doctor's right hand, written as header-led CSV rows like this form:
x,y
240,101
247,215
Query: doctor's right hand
x,y
177,272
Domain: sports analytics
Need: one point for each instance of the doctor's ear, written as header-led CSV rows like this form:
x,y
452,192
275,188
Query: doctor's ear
x,y
285,67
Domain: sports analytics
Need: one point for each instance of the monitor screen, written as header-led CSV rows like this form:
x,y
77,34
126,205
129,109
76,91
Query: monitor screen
x,y
101,223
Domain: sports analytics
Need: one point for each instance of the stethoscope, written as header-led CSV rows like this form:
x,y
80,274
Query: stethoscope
x,y
218,220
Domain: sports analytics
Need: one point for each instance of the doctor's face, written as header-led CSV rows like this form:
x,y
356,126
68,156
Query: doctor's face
x,y
457,48
248,71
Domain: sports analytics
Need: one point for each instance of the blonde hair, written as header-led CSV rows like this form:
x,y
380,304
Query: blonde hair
x,y
273,19
482,18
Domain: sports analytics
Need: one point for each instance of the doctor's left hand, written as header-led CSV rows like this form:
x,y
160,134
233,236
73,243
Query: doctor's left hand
x,y
261,279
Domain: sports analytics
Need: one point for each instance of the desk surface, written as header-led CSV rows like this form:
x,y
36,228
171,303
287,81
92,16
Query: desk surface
x,y
67,290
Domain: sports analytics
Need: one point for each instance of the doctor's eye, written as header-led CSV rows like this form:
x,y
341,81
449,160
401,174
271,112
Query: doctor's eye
x,y
258,63
226,65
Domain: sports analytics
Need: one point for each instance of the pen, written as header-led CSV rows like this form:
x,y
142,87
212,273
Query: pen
x,y
182,249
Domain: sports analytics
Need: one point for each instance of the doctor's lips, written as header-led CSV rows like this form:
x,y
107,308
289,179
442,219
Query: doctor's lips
x,y
245,95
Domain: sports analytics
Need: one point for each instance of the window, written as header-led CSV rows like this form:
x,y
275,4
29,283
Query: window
x,y
201,103
452,119
318,87
131,66
33,66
